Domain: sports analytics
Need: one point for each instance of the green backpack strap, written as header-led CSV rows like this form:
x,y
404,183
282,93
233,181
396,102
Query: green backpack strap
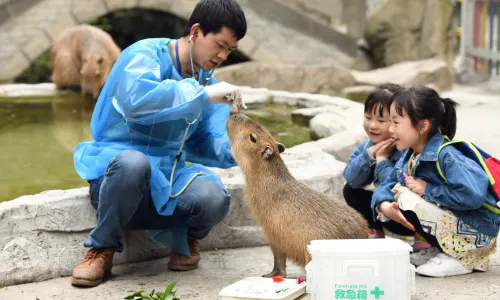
x,y
439,150
481,161
437,160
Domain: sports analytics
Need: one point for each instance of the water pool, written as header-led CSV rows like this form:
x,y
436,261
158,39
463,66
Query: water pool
x,y
38,136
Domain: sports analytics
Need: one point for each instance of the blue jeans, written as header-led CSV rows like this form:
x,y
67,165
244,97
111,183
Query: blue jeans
x,y
122,200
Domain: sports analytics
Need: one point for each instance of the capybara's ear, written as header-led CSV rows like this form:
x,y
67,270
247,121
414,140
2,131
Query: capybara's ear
x,y
268,151
281,148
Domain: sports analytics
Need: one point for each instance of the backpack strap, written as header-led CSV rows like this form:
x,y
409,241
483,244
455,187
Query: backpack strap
x,y
439,150
437,160
481,161
492,208
476,152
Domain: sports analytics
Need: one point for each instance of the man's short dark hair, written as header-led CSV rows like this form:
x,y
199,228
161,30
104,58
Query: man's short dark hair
x,y
213,15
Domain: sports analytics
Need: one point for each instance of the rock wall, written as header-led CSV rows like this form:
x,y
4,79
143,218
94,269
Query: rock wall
x,y
332,79
410,73
328,78
405,30
331,11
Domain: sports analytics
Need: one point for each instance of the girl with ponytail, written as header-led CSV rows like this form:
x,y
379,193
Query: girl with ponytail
x,y
448,215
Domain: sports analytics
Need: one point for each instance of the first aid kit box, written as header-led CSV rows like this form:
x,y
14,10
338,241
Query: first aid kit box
x,y
360,269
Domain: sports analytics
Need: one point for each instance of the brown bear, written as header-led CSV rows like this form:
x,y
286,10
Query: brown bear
x,y
82,56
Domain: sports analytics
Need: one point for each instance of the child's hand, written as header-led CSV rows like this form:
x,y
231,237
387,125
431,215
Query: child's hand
x,y
392,211
416,185
375,149
385,150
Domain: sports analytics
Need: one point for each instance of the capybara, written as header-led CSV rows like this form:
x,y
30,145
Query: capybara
x,y
290,213
82,56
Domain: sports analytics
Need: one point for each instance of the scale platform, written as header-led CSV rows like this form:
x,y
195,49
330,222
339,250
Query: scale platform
x,y
260,288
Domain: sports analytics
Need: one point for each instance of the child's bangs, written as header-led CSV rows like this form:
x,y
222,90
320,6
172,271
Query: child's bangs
x,y
380,99
404,101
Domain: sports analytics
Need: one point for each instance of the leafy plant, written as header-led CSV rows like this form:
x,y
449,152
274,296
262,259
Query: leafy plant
x,y
169,294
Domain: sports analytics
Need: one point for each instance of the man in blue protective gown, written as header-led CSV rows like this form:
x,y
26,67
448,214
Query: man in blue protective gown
x,y
154,104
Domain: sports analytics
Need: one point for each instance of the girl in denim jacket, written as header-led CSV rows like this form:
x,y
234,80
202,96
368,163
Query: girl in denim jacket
x,y
449,215
373,159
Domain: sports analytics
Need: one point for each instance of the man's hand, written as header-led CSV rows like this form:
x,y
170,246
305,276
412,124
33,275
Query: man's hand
x,y
385,147
392,211
416,185
223,92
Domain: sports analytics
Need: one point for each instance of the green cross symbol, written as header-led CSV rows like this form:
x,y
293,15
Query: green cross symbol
x,y
377,292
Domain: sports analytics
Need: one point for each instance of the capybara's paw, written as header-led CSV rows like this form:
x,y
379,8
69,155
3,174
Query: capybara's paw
x,y
274,273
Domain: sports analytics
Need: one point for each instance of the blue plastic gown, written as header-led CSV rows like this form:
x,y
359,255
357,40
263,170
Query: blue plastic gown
x,y
143,107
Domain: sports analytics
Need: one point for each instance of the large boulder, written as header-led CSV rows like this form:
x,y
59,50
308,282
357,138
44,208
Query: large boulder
x,y
404,30
433,71
358,93
338,131
41,236
340,145
303,116
326,78
327,120
325,124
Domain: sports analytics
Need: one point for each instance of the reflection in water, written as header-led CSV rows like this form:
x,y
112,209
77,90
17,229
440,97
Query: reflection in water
x,y
38,137
277,119
71,121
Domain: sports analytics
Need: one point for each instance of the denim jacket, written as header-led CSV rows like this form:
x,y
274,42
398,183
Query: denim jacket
x,y
467,188
363,169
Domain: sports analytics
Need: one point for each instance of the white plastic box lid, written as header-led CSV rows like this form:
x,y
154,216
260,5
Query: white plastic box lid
x,y
359,245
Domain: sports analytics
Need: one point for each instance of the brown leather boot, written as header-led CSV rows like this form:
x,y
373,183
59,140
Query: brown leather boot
x,y
96,265
179,262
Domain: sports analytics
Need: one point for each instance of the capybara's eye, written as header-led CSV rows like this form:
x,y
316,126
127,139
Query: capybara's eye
x,y
99,61
252,138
